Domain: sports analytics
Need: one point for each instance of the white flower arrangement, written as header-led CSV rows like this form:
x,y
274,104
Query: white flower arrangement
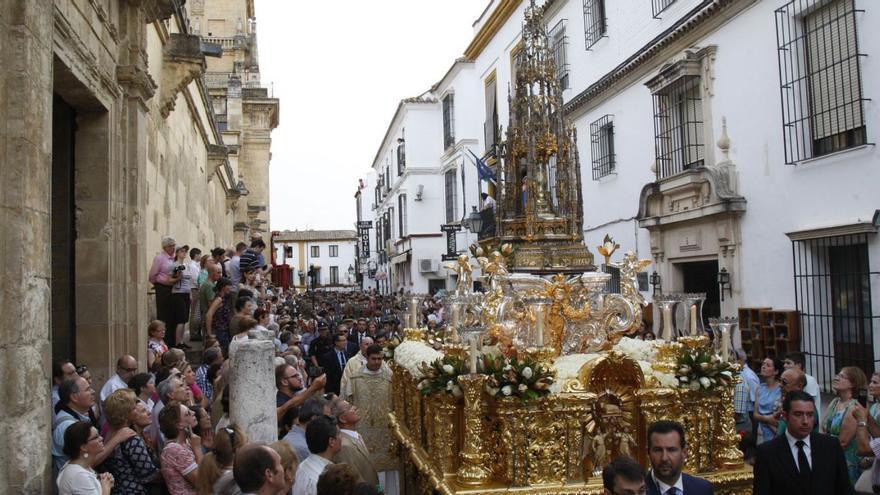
x,y
412,354
567,367
637,349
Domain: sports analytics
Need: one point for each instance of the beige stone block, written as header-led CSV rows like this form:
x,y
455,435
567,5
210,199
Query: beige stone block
x,y
23,376
27,471
92,308
93,344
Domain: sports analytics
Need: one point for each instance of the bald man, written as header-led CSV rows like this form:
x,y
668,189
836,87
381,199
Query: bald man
x,y
792,380
126,367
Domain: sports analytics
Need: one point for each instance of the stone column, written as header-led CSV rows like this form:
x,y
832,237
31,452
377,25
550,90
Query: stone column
x,y
25,228
252,389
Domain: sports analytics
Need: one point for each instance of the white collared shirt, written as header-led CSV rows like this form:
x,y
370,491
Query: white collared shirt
x,y
794,450
665,488
308,473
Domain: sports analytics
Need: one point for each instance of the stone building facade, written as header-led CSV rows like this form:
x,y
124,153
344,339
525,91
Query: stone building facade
x,y
246,113
111,141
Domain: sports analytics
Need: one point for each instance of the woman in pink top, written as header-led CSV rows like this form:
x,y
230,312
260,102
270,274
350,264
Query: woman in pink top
x,y
183,449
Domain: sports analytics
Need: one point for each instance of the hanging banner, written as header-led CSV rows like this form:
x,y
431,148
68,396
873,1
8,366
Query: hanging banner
x,y
364,233
451,248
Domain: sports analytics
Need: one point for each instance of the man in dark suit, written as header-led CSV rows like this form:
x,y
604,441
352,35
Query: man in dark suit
x,y
667,451
334,361
358,332
623,475
800,461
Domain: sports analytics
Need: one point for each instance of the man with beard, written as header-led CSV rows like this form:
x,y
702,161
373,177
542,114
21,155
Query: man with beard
x,y
371,393
291,393
667,451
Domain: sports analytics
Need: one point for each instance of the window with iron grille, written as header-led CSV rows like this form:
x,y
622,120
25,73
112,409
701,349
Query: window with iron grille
x,y
594,21
448,121
602,140
678,126
316,251
560,46
819,76
387,177
401,158
334,251
658,6
334,275
490,125
401,215
449,178
387,223
833,291
288,251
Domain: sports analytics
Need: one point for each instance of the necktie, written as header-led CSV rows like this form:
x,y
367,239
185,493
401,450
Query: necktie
x,y
341,359
673,491
803,465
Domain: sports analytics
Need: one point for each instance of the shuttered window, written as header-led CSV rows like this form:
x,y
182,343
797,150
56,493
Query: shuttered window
x,y
822,97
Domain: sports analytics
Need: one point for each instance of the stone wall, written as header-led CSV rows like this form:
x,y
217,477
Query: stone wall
x,y
26,105
141,158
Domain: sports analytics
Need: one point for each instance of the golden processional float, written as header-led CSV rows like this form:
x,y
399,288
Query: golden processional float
x,y
533,386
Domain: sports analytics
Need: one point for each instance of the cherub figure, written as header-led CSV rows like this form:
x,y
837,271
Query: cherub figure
x,y
559,290
464,270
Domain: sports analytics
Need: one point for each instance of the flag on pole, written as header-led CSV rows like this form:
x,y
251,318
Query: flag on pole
x,y
485,172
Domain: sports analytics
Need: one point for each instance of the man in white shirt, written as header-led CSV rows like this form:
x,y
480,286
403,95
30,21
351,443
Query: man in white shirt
x,y
322,437
488,202
797,359
126,367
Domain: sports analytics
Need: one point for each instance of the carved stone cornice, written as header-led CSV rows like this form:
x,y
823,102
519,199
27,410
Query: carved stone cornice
x,y
217,159
183,63
688,196
136,82
159,10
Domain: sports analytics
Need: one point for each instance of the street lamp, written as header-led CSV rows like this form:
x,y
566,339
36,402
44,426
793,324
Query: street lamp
x,y
655,282
474,221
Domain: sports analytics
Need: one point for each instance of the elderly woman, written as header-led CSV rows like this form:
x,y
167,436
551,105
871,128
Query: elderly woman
x,y
838,421
183,449
163,278
132,464
83,445
215,470
156,345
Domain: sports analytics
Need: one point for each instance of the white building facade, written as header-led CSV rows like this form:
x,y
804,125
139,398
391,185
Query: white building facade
x,y
422,179
322,259
723,139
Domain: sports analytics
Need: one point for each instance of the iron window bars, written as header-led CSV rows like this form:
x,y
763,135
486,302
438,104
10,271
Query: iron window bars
x,y
595,25
401,158
678,127
833,285
602,140
449,178
819,76
658,6
559,39
448,121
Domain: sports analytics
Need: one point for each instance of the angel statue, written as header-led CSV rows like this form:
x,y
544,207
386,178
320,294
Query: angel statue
x,y
464,270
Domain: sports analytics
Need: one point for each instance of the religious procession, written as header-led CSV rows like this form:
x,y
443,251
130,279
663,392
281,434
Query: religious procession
x,y
579,258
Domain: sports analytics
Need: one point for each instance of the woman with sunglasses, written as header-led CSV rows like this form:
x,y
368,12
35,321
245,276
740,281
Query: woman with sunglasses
x,y
215,470
183,449
838,420
82,445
